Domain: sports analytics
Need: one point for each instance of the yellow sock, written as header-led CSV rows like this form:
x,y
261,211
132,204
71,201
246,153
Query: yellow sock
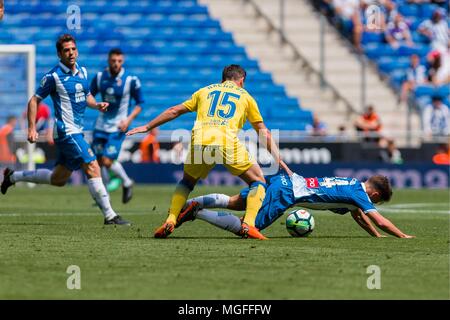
x,y
255,199
179,198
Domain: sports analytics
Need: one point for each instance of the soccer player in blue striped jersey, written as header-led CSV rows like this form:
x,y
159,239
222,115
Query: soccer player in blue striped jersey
x,y
67,84
337,194
118,88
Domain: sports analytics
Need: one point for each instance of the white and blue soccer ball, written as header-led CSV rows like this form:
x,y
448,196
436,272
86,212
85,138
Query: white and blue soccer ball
x,y
300,223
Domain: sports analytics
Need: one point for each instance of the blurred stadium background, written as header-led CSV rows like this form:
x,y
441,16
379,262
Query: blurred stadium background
x,y
314,68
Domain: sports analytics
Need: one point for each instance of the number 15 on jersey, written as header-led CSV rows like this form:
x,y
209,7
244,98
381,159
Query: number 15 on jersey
x,y
227,106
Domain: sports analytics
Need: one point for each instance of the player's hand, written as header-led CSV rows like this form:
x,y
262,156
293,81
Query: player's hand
x,y
33,135
123,125
102,106
286,168
406,236
141,129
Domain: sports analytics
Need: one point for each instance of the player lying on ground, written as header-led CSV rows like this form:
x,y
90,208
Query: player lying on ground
x,y
67,84
222,110
339,195
119,88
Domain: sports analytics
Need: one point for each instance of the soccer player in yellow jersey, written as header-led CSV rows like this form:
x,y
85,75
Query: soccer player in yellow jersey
x,y
222,109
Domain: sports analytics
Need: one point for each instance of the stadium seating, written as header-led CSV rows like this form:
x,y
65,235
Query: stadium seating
x,y
174,46
392,63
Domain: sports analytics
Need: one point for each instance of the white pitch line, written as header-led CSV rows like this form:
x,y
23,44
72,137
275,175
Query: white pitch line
x,y
428,212
416,205
414,208
55,214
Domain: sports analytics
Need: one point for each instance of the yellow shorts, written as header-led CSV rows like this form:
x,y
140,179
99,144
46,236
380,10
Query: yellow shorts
x,y
202,159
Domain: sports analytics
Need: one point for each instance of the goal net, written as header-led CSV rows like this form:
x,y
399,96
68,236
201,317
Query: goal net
x,y
17,85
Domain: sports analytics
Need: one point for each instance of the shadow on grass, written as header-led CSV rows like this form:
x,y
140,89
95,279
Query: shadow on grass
x,y
174,238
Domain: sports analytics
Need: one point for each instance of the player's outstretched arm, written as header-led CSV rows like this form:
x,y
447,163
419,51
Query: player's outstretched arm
x,y
31,116
386,225
364,222
265,138
168,115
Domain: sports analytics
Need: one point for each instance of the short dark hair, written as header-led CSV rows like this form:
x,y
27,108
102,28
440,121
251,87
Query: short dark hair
x,y
115,51
382,185
233,72
436,98
64,38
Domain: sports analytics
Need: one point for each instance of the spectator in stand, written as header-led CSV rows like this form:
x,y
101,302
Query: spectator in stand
x,y
376,11
438,72
349,19
397,33
369,125
415,75
6,135
2,9
436,31
44,124
436,118
442,155
149,147
440,2
390,153
317,128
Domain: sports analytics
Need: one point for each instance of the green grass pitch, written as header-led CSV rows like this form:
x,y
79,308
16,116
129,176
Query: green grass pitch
x,y
44,230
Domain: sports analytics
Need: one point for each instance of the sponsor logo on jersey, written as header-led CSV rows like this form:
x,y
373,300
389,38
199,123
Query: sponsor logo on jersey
x,y
79,94
331,182
283,179
109,96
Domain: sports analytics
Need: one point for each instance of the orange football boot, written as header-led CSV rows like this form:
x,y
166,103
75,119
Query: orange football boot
x,y
251,232
165,230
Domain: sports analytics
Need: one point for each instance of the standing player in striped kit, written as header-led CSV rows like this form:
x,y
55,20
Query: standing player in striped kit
x,y
118,88
68,85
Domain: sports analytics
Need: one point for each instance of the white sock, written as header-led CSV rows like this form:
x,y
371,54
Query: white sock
x,y
117,168
41,176
101,197
105,175
215,200
223,220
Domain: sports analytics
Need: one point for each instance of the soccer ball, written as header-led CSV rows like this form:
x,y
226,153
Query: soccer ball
x,y
300,223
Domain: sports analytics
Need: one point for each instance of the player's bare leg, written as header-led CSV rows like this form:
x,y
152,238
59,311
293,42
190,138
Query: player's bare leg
x,y
179,197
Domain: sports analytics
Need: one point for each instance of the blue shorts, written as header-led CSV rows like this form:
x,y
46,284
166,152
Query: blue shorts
x,y
73,151
279,198
108,144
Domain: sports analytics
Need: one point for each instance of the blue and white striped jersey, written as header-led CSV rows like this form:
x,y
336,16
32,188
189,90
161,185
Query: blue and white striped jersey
x,y
337,194
68,91
119,92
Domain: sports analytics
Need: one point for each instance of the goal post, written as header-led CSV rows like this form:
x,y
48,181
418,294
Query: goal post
x,y
29,50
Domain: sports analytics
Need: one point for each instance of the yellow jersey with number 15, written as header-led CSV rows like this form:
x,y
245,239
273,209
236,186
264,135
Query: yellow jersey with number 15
x,y
222,110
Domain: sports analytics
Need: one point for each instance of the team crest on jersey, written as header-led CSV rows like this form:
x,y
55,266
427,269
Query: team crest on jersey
x,y
312,182
119,82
